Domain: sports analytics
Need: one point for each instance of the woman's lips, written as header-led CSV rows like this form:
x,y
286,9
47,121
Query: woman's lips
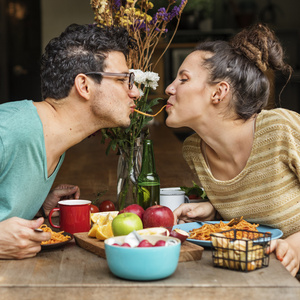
x,y
169,105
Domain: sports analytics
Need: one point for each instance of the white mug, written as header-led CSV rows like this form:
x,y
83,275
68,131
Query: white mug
x,y
172,197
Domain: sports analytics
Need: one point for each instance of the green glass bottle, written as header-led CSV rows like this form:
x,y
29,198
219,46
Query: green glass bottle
x,y
148,183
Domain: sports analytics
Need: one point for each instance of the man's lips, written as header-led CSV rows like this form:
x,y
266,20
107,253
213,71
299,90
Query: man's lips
x,y
132,108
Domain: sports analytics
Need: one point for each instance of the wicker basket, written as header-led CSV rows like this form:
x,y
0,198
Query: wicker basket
x,y
241,250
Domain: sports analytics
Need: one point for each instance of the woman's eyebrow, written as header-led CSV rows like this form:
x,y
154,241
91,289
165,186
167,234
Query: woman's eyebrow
x,y
182,71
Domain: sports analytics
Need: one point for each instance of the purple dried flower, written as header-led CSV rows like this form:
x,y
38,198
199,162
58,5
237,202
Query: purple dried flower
x,y
182,5
116,4
140,25
161,11
161,14
154,20
174,13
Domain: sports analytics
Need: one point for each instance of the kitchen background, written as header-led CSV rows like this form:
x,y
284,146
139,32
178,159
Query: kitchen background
x,y
26,26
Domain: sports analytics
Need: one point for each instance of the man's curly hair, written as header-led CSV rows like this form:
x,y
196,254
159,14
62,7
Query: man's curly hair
x,y
79,49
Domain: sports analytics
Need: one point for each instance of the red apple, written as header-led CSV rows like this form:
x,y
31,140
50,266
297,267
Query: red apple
x,y
145,243
107,205
158,216
160,243
134,208
94,209
180,234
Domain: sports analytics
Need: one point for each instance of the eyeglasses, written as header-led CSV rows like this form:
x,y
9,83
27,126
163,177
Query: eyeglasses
x,y
108,74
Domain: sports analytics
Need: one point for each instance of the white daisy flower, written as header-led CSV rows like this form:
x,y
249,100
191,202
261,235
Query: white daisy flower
x,y
141,93
148,79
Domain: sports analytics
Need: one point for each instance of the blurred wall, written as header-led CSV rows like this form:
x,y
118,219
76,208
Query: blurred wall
x,y
282,14
58,14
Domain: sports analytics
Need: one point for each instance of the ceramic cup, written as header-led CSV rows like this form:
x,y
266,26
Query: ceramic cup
x,y
172,197
74,216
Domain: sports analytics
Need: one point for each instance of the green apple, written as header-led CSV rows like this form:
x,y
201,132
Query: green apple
x,y
125,223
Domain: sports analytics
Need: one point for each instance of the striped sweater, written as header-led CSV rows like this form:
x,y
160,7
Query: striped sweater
x,y
267,191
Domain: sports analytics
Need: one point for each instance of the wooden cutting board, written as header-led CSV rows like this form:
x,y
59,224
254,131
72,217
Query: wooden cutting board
x,y
188,251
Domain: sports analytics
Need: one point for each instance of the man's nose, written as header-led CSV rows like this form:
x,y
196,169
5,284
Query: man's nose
x,y
134,92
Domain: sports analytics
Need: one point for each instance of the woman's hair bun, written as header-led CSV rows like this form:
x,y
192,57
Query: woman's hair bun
x,y
252,42
260,45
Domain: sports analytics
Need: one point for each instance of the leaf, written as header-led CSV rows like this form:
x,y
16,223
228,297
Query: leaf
x,y
96,201
108,147
146,121
194,190
150,104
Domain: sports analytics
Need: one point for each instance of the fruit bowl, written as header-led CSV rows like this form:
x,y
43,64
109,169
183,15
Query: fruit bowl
x,y
142,264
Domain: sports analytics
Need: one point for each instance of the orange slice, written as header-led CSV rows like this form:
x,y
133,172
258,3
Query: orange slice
x,y
93,230
100,218
104,232
97,218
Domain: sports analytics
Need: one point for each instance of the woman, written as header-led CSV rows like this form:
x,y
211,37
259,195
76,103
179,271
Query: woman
x,y
247,159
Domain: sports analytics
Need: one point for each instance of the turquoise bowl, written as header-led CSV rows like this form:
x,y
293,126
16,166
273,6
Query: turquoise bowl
x,y
142,264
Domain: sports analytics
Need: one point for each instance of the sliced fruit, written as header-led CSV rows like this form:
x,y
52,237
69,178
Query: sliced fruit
x,y
97,217
154,231
100,217
107,219
101,228
93,230
180,234
104,232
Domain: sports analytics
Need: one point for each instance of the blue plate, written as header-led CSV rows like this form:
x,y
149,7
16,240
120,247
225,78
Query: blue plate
x,y
276,233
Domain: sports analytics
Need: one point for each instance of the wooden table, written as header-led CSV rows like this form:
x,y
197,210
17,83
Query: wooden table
x,y
87,165
74,273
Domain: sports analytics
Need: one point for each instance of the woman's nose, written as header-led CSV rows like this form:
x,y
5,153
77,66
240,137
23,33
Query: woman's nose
x,y
170,90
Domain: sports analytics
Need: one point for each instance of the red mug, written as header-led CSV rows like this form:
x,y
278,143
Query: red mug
x,y
74,216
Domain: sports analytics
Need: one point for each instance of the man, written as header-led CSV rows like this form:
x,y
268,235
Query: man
x,y
86,86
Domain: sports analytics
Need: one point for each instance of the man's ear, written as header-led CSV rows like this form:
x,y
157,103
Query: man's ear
x,y
82,86
219,93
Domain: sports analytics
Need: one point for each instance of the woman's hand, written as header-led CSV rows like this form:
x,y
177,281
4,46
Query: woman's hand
x,y
203,211
61,192
287,252
18,239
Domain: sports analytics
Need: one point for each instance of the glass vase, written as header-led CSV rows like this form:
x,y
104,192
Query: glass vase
x,y
129,167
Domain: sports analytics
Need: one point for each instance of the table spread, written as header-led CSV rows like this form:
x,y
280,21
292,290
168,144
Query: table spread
x,y
71,272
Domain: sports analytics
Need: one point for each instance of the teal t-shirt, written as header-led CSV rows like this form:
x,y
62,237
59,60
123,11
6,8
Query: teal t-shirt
x,y
24,182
